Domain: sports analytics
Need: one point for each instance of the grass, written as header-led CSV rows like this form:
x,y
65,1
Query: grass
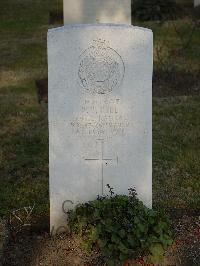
x,y
24,148
23,122
176,152
178,48
24,127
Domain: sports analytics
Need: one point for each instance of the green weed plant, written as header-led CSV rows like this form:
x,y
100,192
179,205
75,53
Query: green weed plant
x,y
121,227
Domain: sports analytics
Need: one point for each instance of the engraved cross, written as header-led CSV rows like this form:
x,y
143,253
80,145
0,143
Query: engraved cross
x,y
103,161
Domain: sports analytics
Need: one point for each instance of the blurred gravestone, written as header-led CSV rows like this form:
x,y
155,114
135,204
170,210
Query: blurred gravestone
x,y
97,11
196,3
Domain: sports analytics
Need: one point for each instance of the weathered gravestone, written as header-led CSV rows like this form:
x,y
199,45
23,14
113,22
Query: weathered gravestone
x,y
97,11
100,114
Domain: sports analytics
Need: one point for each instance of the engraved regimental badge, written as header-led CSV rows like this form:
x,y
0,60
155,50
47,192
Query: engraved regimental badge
x,y
101,68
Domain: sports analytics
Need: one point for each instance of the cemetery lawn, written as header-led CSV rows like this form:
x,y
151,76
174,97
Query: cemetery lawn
x,y
176,152
24,127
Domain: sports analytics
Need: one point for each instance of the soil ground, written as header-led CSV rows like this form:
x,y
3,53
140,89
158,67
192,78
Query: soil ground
x,y
31,249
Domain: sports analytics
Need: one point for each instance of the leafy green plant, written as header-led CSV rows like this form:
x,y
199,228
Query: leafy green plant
x,y
122,227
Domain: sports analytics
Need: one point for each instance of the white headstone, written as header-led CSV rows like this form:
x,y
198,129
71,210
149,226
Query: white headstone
x,y
97,11
100,114
196,3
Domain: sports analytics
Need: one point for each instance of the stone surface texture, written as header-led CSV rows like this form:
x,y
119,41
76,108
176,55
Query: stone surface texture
x,y
97,11
100,114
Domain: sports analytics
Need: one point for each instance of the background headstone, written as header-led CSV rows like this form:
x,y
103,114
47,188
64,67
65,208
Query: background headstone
x,y
196,3
97,11
100,114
